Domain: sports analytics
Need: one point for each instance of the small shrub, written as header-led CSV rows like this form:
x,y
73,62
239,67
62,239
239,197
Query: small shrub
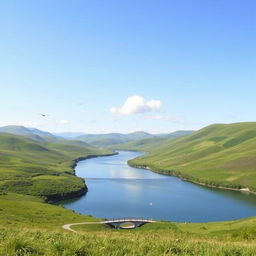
x,y
22,248
82,252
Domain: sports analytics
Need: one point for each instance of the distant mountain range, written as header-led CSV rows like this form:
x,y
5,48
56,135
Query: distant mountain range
x,y
110,139
150,143
31,133
68,135
97,140
114,139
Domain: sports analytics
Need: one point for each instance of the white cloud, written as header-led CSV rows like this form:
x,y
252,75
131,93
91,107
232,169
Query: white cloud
x,y
137,104
63,121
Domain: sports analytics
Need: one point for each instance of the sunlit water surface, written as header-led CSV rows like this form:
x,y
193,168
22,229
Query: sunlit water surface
x,y
117,190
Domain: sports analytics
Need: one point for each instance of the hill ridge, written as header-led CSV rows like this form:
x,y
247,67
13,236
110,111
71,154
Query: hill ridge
x,y
219,155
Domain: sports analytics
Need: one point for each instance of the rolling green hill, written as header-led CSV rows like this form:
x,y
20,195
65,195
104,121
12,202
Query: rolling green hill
x,y
221,155
152,143
130,141
31,133
41,168
110,139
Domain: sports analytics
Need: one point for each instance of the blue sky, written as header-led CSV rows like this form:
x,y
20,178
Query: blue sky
x,y
177,64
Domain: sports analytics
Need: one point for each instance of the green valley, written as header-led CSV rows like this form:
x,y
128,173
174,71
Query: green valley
x,y
33,171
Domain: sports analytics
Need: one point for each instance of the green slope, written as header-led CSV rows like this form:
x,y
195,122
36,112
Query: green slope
x,y
41,168
218,155
140,145
149,144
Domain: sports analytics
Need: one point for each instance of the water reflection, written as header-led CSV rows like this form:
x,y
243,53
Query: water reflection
x,y
117,190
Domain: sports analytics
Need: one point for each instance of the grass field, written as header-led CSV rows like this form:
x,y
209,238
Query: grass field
x,y
219,155
41,168
118,243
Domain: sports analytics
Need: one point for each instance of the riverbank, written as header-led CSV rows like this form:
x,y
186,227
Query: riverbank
x,y
218,156
84,189
190,179
75,161
28,225
117,190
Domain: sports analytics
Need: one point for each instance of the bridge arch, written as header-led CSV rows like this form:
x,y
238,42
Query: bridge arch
x,y
132,223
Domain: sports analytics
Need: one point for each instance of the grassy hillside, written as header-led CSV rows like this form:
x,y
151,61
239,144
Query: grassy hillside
x,y
141,145
30,227
218,155
152,143
41,168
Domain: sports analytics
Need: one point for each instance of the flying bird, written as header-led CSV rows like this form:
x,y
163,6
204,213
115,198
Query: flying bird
x,y
43,115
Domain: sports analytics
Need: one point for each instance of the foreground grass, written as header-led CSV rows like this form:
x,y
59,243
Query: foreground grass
x,y
218,155
28,226
111,243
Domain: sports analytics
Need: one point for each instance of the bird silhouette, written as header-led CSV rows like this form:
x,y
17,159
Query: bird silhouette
x,y
43,115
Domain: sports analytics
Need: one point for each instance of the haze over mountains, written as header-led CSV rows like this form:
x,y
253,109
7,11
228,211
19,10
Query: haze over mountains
x,y
97,140
32,133
116,139
111,139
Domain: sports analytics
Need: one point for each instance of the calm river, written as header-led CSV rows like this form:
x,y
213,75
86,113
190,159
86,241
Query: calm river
x,y
117,190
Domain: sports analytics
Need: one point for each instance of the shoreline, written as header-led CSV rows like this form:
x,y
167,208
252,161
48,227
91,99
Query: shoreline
x,y
77,160
162,173
241,190
82,191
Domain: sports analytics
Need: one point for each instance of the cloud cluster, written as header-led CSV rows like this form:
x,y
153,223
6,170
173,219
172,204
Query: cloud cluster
x,y
137,104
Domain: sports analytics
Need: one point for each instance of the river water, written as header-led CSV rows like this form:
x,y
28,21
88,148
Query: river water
x,y
119,191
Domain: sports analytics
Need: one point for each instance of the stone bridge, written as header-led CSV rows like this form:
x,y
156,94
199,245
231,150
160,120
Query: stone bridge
x,y
127,223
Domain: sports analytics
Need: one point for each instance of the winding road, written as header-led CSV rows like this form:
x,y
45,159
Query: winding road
x,y
109,222
68,226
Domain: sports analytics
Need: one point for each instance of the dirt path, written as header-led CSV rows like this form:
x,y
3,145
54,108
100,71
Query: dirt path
x,y
68,226
131,223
